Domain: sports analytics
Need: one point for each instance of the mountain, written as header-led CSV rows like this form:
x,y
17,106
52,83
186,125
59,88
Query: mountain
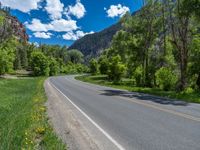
x,y
93,44
10,25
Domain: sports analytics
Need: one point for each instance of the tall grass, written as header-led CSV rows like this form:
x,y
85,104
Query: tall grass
x,y
23,121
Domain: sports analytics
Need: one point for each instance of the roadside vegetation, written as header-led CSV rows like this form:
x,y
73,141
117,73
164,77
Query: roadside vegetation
x,y
24,124
157,51
188,95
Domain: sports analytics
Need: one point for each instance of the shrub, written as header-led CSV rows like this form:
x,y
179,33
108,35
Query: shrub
x,y
93,66
7,55
165,78
39,64
103,65
53,66
188,90
138,76
116,69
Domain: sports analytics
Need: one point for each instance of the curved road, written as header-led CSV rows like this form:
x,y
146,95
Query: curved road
x,y
131,120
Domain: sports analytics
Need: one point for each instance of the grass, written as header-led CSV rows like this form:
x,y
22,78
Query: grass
x,y
24,124
126,84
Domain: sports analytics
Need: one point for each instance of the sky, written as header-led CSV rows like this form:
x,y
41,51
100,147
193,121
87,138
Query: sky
x,y
64,21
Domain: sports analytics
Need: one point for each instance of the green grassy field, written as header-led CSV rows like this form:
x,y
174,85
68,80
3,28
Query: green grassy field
x,y
126,84
23,121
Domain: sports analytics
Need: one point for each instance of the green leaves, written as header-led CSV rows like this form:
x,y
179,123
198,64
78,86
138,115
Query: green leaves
x,y
53,67
75,56
165,78
116,69
103,64
94,66
39,64
7,55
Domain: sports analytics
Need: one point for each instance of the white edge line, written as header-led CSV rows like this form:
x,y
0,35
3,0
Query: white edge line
x,y
92,121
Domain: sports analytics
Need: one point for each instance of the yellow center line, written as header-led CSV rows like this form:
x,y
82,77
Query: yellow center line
x,y
163,109
154,106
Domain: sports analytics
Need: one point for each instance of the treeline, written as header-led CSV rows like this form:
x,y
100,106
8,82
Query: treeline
x,y
158,47
18,54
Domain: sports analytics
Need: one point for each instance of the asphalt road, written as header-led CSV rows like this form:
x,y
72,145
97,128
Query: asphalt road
x,y
134,121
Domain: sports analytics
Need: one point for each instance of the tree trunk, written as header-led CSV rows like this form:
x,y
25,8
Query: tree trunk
x,y
198,81
183,69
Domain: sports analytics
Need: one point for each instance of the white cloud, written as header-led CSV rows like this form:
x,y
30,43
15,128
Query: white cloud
x,y
43,35
60,25
37,25
54,8
70,36
117,10
63,25
22,5
75,36
78,10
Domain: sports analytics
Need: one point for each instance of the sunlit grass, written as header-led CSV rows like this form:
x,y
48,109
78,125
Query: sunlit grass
x,y
24,124
127,84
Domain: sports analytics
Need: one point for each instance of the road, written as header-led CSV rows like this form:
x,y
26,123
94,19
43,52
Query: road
x,y
132,121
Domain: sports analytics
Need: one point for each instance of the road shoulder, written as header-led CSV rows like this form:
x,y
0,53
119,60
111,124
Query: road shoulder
x,y
70,125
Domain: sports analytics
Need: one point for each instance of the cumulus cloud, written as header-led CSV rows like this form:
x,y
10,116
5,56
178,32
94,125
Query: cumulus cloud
x,y
63,25
22,5
43,35
75,36
78,10
37,25
60,25
54,8
116,10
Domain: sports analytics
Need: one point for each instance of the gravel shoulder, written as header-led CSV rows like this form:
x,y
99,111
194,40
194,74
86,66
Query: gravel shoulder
x,y
64,118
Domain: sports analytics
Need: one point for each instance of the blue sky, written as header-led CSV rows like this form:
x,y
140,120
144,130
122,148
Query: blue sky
x,y
64,21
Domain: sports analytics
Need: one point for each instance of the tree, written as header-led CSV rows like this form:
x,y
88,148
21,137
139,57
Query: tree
x,y
180,26
94,66
75,56
7,55
21,59
39,64
116,69
144,27
195,59
53,66
191,7
103,64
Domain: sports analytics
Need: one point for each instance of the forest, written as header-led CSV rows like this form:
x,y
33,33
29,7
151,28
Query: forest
x,y
158,47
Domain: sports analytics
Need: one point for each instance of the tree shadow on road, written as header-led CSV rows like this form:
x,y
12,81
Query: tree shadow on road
x,y
144,97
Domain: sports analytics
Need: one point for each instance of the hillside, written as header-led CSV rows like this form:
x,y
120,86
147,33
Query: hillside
x,y
92,45
10,25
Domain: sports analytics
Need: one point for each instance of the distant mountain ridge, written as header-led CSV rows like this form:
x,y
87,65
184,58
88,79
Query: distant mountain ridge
x,y
93,44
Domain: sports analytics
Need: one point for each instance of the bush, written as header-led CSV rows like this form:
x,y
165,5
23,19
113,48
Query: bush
x,y
103,65
116,69
165,78
93,66
138,76
53,66
71,68
7,55
39,64
188,90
